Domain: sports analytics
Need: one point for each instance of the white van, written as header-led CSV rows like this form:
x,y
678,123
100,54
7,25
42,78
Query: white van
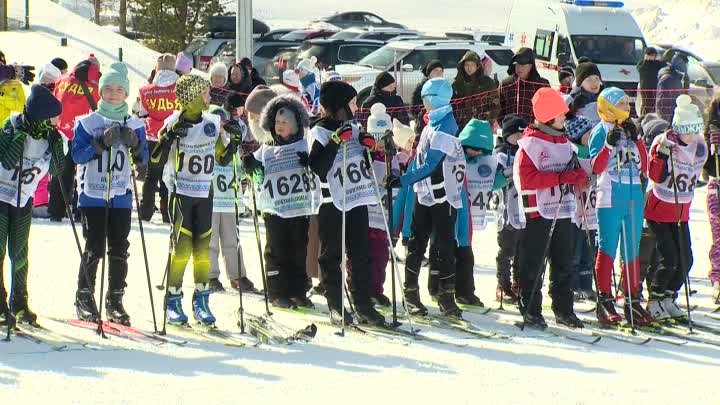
x,y
561,31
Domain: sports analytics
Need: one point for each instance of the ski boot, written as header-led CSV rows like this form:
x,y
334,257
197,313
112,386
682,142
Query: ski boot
x,y
655,307
367,314
381,300
446,302
281,302
336,317
115,310
22,311
244,284
535,322
640,316
173,309
671,307
201,305
414,306
302,301
470,300
606,313
85,305
568,319
216,285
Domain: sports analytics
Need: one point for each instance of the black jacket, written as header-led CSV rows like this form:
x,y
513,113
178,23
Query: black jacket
x,y
648,70
394,103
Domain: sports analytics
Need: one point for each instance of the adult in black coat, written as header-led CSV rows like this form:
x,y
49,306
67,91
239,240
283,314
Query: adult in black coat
x,y
385,91
239,79
648,68
517,90
671,84
255,77
433,69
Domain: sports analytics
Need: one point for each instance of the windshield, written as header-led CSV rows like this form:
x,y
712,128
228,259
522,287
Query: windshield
x,y
295,36
383,58
346,35
714,72
609,50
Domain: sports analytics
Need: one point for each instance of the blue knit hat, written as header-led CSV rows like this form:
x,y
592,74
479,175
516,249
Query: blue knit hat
x,y
41,104
116,74
576,127
437,92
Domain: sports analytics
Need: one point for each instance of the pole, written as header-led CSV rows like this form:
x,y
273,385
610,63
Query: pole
x,y
236,186
388,166
259,248
173,232
106,225
3,15
27,14
343,269
244,30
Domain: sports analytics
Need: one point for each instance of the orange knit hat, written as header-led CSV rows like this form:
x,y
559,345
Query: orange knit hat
x,y
548,104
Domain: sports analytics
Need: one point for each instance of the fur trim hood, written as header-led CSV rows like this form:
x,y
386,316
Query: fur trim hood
x,y
294,104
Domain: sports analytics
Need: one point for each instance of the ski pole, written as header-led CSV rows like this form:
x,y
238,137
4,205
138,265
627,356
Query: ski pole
x,y
259,248
9,318
717,176
343,268
588,238
142,241
83,267
544,262
623,239
161,286
389,223
680,243
388,227
106,227
237,239
174,233
634,241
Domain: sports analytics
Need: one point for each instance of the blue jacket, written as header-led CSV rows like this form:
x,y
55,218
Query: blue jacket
x,y
83,151
433,157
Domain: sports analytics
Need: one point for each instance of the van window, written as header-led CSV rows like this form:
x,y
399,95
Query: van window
x,y
543,44
502,57
608,49
492,38
564,53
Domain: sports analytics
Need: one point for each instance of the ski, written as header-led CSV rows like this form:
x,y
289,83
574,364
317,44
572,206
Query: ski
x,y
475,309
660,334
683,331
465,326
414,335
44,333
109,330
207,333
154,336
617,332
574,335
37,340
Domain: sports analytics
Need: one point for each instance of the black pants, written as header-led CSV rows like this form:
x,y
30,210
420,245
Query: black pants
x,y
358,251
56,203
285,253
649,256
152,184
439,221
675,253
464,266
95,232
531,264
508,240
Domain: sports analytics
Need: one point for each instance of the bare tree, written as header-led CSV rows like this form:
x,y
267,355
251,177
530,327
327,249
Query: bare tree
x,y
123,17
98,5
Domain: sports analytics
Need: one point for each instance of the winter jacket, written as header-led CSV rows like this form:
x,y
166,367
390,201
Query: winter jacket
x,y
393,102
12,98
485,107
649,70
244,86
70,93
516,95
157,102
84,151
256,79
657,210
670,86
434,157
584,104
712,124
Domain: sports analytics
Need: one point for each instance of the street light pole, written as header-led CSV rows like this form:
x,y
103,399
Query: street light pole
x,y
244,30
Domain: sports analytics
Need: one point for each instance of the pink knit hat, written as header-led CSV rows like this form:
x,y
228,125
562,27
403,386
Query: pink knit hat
x,y
183,64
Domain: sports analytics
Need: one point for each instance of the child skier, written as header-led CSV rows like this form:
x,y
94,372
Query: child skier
x,y
583,98
103,144
29,137
676,162
545,173
288,196
193,139
619,159
712,137
510,220
335,141
437,176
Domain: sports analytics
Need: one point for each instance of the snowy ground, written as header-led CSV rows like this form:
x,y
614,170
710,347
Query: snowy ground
x,y
353,369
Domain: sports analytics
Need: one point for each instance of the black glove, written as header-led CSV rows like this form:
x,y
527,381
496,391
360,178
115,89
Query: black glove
x,y
389,141
236,129
578,102
24,73
614,136
108,136
141,171
630,130
249,162
392,181
81,71
179,129
127,137
304,159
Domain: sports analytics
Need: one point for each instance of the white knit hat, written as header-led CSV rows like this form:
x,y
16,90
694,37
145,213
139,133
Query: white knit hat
x,y
218,69
379,121
331,76
687,119
307,65
49,74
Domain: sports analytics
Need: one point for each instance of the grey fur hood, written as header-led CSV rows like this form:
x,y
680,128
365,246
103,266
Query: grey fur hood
x,y
291,102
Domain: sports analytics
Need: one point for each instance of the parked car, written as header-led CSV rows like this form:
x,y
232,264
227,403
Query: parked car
x,y
221,29
263,55
378,34
306,34
482,36
406,59
275,35
355,19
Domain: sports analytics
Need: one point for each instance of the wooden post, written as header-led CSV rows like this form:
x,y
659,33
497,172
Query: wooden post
x,y
3,15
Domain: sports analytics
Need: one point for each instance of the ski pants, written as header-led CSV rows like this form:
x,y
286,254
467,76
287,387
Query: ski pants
x,y
152,184
380,254
583,259
285,253
619,225
439,221
56,204
357,247
96,231
649,257
224,239
192,223
464,267
508,240
713,210
14,233
676,259
531,264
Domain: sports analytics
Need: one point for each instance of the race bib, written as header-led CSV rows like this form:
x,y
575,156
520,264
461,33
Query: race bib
x,y
354,178
453,166
36,162
189,170
224,189
480,179
688,163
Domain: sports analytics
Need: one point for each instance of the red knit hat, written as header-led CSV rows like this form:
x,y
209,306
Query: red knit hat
x,y
548,104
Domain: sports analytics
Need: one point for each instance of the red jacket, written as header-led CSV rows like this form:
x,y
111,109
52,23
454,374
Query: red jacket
x,y
158,100
70,93
657,210
530,177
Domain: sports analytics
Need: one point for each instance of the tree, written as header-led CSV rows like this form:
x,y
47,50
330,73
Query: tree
x,y
170,25
123,17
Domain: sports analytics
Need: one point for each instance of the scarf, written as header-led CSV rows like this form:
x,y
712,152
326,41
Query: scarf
x,y
439,113
114,112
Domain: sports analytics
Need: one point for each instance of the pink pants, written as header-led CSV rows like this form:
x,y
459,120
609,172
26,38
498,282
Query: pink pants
x,y
41,194
379,256
713,210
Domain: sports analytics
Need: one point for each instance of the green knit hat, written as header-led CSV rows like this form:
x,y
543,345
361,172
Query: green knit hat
x,y
190,87
116,74
477,134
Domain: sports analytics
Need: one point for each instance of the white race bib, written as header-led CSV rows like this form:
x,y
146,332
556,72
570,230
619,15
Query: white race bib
x,y
480,178
36,162
359,187
453,166
224,189
688,161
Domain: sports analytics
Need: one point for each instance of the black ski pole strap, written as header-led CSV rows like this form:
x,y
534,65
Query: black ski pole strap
x,y
88,96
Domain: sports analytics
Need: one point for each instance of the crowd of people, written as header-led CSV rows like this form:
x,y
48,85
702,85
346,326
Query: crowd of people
x,y
568,170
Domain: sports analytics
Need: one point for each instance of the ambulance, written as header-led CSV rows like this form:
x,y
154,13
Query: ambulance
x,y
561,31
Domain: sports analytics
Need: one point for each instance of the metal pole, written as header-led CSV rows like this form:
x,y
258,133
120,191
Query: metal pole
x,y
27,14
244,30
3,15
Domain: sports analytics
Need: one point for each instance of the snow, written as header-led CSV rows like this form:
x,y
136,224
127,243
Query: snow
x,y
331,369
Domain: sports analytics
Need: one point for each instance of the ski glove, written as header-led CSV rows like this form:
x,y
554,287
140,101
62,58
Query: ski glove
x,y
715,137
236,129
631,130
614,136
392,181
304,159
665,148
343,134
108,136
126,136
179,129
576,177
24,73
367,140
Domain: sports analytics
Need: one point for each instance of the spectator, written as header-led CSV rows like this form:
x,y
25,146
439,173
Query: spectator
x,y
517,90
433,69
384,91
255,78
218,80
566,77
239,80
472,81
60,64
648,69
183,64
670,86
